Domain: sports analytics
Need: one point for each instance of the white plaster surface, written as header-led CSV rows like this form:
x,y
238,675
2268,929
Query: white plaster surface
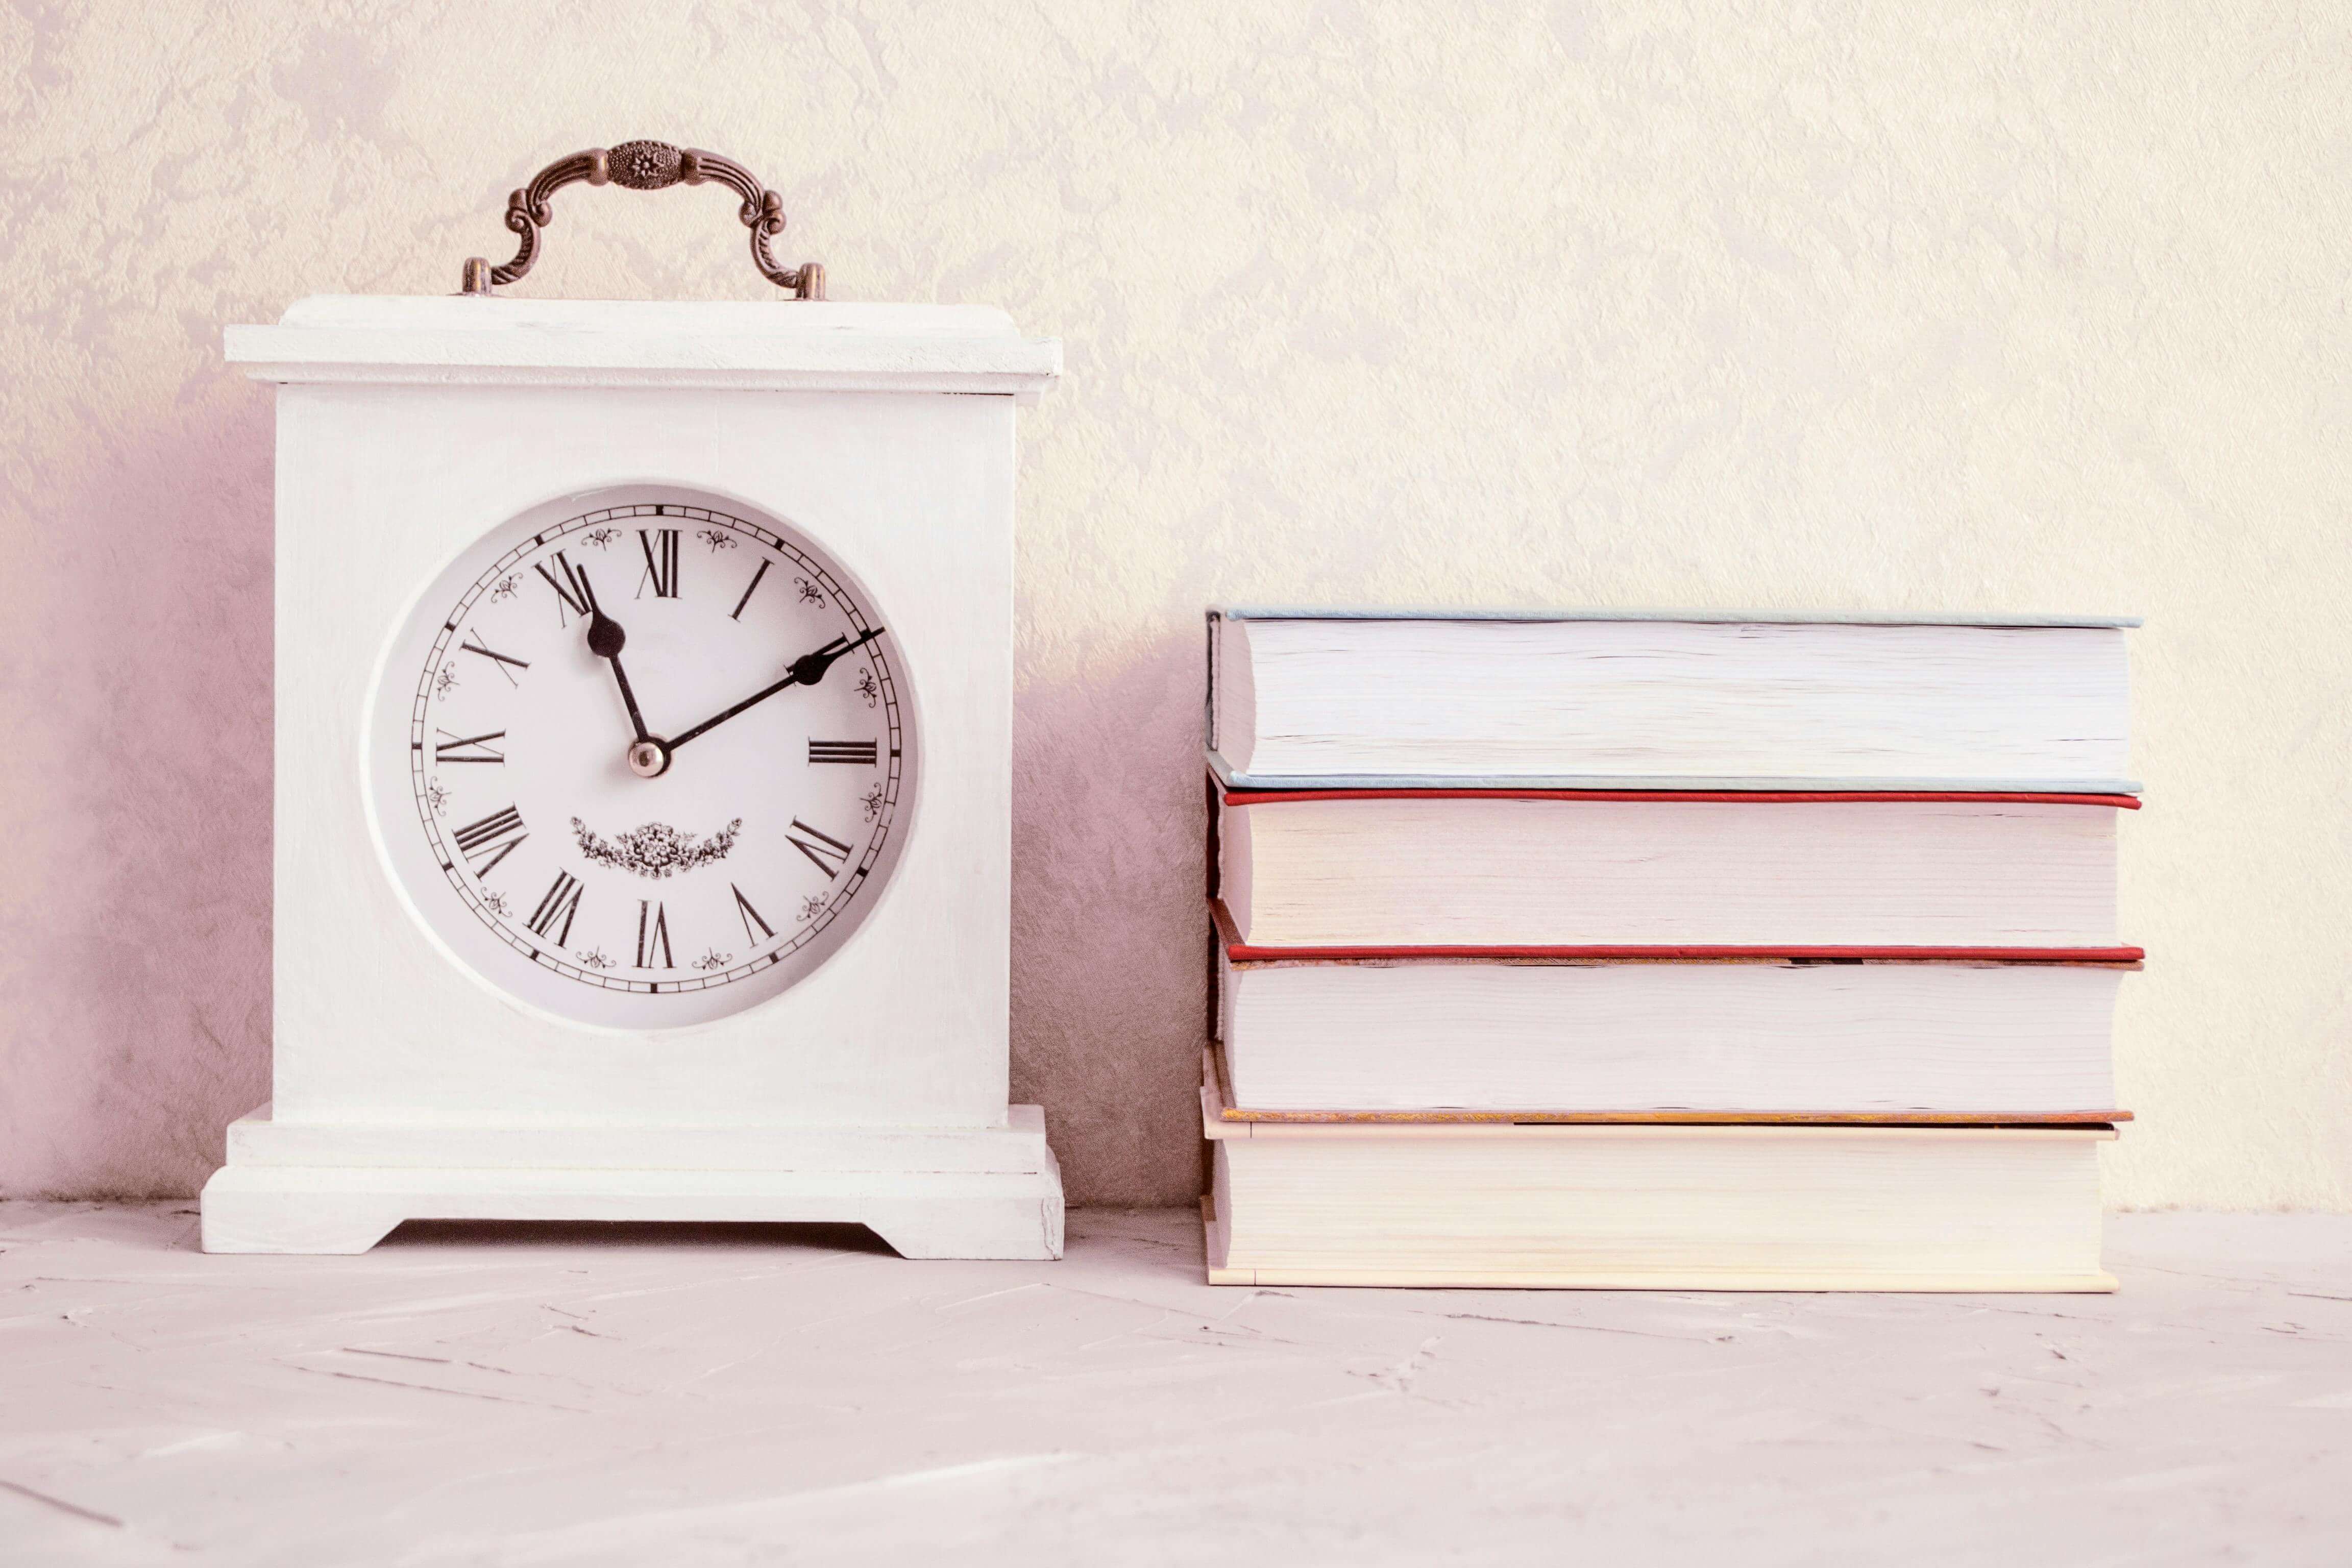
x,y
740,1395
1819,305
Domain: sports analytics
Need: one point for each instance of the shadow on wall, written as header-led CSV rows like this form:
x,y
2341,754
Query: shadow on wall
x,y
1110,934
137,981
137,990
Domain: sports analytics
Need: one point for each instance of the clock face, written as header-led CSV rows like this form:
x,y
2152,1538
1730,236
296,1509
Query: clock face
x,y
643,758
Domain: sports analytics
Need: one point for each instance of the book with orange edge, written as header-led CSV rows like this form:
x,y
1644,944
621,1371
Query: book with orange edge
x,y
1651,1206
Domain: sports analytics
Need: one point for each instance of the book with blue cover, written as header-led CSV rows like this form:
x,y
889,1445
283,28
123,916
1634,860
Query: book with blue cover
x,y
1328,698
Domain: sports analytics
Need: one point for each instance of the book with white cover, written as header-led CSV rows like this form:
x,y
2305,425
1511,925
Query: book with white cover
x,y
1653,1207
1533,872
1303,698
1724,1039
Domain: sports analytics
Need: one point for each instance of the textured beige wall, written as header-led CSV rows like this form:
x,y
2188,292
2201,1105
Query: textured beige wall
x,y
1832,305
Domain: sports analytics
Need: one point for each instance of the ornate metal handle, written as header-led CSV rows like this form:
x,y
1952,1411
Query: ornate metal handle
x,y
646,166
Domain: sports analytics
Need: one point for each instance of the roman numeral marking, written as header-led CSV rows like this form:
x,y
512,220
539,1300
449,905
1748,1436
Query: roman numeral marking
x,y
563,902
827,854
660,545
572,590
486,843
748,592
853,752
499,661
653,935
750,917
467,748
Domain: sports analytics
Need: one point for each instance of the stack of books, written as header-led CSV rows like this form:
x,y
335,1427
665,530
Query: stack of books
x,y
1686,950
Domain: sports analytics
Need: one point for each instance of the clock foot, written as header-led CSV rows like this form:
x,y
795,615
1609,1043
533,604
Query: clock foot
x,y
1017,1222
258,1211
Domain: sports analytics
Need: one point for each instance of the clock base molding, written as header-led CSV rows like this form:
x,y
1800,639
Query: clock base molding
x,y
971,1193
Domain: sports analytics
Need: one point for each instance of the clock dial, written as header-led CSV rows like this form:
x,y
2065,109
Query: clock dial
x,y
643,758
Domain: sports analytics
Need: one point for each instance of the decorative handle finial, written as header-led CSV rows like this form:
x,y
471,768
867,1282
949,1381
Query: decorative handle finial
x,y
646,166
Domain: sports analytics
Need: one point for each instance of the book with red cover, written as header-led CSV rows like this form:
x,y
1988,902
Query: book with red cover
x,y
1669,1027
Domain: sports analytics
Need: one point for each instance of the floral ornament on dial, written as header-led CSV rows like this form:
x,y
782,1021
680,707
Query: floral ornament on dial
x,y
656,850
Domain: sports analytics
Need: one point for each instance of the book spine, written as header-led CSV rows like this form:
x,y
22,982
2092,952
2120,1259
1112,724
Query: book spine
x,y
1209,702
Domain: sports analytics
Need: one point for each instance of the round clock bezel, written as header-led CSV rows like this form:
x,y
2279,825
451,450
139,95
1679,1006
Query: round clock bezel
x,y
387,745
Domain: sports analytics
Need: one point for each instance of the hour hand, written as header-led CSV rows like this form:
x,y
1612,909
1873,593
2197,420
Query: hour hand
x,y
805,671
605,640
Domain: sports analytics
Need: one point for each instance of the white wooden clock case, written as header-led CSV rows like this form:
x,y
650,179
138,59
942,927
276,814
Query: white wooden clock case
x,y
873,1090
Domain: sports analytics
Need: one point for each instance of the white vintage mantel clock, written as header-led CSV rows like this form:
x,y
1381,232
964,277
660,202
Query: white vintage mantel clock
x,y
644,732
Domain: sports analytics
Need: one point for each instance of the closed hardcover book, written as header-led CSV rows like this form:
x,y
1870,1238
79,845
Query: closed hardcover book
x,y
1651,1206
1303,698
1886,1039
1599,873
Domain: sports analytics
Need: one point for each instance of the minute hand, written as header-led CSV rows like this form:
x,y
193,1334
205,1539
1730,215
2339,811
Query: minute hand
x,y
806,670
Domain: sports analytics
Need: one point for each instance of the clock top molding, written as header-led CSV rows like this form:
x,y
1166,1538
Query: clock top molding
x,y
737,345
